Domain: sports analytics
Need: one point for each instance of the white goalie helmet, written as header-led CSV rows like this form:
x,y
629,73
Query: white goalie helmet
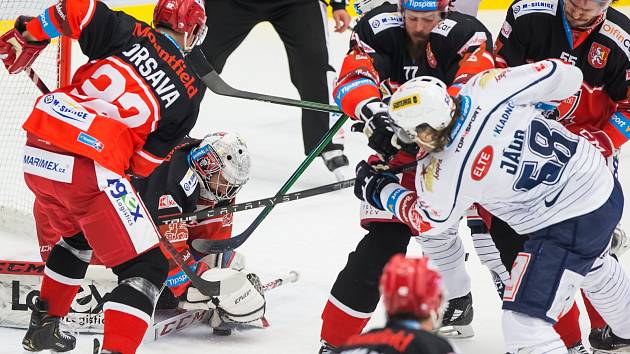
x,y
222,162
364,6
422,100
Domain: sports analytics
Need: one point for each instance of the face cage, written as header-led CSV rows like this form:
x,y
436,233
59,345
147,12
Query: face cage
x,y
230,189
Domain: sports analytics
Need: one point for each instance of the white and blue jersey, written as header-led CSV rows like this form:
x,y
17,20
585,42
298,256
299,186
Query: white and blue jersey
x,y
529,171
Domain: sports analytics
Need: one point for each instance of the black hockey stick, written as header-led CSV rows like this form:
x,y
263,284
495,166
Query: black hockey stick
x,y
206,287
264,202
219,246
217,85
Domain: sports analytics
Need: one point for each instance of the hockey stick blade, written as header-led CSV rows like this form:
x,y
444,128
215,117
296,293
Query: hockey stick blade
x,y
220,246
206,287
216,84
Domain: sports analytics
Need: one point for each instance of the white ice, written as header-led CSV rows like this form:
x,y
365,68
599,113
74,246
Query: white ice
x,y
312,236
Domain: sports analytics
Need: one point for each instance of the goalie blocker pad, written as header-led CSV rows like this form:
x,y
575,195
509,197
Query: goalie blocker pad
x,y
20,282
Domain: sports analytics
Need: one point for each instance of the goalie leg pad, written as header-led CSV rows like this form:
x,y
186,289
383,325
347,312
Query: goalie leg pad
x,y
246,304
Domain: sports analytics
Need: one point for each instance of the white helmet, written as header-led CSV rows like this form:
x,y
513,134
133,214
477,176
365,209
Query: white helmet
x,y
225,154
422,100
364,6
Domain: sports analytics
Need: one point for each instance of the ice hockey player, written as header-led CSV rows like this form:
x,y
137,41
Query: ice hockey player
x,y
583,33
124,111
496,148
198,174
413,298
388,48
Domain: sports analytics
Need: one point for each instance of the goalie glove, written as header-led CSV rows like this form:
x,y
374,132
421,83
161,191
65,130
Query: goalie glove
x,y
247,304
16,52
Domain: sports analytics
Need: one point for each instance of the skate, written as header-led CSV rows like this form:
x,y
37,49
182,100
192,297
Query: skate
x,y
337,163
326,349
97,345
458,317
578,348
44,332
604,341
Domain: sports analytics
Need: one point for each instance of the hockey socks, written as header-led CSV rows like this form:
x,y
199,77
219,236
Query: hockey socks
x,y
568,326
341,322
63,276
124,328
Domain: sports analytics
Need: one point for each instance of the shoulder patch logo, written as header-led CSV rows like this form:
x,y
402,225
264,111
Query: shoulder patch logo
x,y
384,21
618,35
481,164
532,6
444,27
598,55
506,29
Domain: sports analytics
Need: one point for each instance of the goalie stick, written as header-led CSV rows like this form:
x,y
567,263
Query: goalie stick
x,y
220,246
191,318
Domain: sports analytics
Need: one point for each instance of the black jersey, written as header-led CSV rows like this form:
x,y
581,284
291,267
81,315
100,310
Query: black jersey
x,y
537,29
397,338
381,34
173,187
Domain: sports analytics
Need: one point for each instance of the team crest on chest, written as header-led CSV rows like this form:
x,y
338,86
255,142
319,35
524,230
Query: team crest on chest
x,y
598,55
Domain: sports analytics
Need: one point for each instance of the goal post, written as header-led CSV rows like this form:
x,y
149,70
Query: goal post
x,y
17,97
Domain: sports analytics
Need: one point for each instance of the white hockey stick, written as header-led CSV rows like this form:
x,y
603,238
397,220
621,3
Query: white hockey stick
x,y
192,318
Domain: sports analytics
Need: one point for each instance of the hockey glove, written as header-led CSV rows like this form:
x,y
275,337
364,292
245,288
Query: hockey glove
x,y
377,126
16,52
597,138
370,183
620,243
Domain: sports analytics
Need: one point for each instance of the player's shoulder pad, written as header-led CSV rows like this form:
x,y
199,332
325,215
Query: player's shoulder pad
x,y
616,27
529,7
382,18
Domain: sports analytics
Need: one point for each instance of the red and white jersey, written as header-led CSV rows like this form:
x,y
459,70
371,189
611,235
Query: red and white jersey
x,y
130,104
525,169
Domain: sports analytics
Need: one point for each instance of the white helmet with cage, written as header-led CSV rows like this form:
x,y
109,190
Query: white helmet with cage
x,y
221,161
420,101
364,6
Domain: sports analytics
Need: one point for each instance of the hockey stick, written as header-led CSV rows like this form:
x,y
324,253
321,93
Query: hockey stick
x,y
37,80
191,318
306,193
216,84
219,246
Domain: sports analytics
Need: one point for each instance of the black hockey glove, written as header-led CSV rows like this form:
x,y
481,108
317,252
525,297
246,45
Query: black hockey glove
x,y
377,126
370,183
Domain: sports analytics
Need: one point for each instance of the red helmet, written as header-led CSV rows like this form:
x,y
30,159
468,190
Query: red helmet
x,y
409,286
183,16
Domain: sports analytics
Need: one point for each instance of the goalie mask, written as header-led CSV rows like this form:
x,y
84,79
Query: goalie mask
x,y
221,161
421,108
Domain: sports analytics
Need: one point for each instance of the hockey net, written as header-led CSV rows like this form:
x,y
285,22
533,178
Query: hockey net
x,y
17,96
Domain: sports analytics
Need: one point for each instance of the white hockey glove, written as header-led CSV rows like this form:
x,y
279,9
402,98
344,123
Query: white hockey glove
x,y
620,243
247,304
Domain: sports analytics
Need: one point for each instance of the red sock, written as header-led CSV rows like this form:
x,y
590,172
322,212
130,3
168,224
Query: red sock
x,y
123,331
338,325
568,327
596,320
58,295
